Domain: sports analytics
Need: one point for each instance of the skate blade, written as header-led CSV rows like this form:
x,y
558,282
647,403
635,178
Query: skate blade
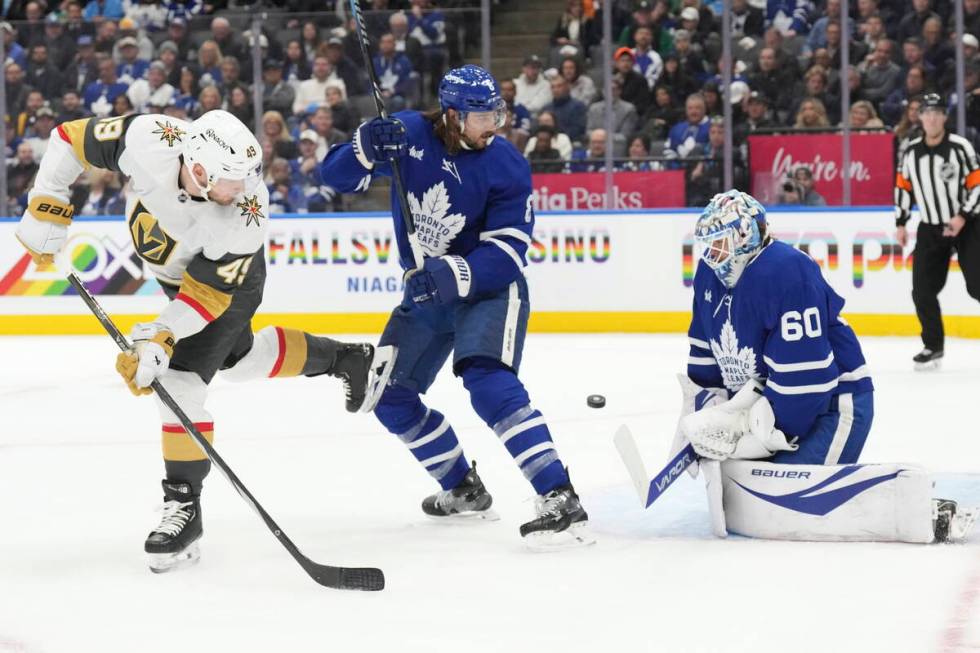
x,y
161,563
574,537
963,522
463,518
382,366
930,366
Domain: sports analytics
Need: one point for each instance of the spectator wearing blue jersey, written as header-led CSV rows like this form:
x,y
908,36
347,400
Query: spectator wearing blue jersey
x,y
592,159
130,67
646,60
520,116
790,17
394,72
100,94
13,50
428,26
571,113
103,9
284,196
183,10
306,175
209,64
688,137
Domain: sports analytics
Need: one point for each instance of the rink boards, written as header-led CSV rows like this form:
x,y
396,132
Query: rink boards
x,y
588,272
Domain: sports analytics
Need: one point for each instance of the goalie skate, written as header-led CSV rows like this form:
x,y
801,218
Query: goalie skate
x,y
951,522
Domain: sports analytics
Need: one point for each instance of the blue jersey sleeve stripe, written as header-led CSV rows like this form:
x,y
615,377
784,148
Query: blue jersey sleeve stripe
x,y
856,374
506,231
818,388
702,360
801,366
510,251
699,343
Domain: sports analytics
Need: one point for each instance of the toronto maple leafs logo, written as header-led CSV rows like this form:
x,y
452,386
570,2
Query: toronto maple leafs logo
x,y
737,364
434,225
251,210
168,132
416,153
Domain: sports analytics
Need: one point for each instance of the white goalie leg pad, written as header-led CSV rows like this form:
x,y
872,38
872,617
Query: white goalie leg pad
x,y
260,359
713,485
189,391
833,503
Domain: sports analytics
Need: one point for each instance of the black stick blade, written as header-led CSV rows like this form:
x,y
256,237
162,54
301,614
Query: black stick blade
x,y
366,579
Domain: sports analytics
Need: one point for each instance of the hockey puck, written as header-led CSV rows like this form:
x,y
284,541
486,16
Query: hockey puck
x,y
596,401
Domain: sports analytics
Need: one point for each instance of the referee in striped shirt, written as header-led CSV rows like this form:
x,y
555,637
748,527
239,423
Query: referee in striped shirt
x,y
941,173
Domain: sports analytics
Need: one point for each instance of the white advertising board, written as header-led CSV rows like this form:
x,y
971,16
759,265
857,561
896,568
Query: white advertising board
x,y
587,271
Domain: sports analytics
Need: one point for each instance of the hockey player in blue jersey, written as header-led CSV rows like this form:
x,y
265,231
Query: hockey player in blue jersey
x,y
765,320
470,199
778,401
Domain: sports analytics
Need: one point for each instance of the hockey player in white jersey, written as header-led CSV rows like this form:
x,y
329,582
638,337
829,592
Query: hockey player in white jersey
x,y
779,401
197,212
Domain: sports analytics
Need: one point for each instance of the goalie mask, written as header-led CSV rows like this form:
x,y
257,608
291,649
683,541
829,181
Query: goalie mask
x,y
730,233
228,152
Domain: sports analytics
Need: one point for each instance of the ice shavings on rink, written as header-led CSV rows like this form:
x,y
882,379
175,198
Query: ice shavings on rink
x,y
80,468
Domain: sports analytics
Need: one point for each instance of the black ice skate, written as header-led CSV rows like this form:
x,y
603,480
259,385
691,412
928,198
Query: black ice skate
x,y
561,522
950,522
364,370
467,501
173,544
928,359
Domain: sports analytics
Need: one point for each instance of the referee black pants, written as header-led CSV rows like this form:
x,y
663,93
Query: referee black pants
x,y
930,266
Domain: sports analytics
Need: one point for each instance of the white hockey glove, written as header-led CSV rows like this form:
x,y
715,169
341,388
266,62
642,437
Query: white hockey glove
x,y
43,228
153,345
743,427
690,401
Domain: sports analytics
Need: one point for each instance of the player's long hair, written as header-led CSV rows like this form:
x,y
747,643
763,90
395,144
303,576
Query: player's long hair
x,y
447,130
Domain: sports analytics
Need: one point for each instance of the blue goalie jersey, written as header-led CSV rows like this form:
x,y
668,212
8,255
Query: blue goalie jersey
x,y
475,204
780,325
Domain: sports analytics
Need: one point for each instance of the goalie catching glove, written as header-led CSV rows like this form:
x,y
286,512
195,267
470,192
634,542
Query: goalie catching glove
x,y
44,227
743,427
153,345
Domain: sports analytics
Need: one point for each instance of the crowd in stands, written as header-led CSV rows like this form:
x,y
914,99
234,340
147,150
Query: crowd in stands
x,y
666,86
83,58
78,58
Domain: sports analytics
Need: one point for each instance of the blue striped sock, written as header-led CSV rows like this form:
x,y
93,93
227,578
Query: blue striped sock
x,y
526,436
433,443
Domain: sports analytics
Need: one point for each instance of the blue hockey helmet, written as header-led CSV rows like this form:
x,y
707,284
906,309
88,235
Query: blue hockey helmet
x,y
471,89
730,232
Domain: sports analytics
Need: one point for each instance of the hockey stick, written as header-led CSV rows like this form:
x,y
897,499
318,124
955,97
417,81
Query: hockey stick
x,y
379,103
344,578
647,488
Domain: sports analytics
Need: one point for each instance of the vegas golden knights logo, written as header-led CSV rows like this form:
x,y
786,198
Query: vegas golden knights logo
x,y
151,241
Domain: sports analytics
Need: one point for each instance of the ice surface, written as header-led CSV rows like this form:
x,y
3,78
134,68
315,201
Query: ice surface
x,y
79,477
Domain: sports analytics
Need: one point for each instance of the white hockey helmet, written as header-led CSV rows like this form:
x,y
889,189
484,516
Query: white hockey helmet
x,y
226,149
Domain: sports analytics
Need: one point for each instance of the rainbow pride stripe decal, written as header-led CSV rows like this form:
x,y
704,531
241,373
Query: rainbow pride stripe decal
x,y
106,269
